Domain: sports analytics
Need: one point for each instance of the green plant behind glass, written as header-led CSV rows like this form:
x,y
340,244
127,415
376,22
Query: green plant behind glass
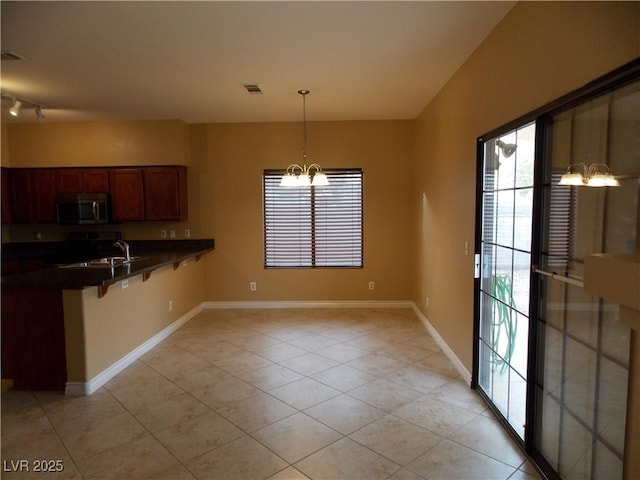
x,y
503,323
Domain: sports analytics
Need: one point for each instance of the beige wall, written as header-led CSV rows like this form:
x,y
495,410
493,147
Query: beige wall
x,y
100,331
226,203
539,52
97,144
4,145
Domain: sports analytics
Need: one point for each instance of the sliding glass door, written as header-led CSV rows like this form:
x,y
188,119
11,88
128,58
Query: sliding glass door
x,y
551,359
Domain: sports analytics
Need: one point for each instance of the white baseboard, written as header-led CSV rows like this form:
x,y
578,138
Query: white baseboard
x,y
87,388
459,366
312,304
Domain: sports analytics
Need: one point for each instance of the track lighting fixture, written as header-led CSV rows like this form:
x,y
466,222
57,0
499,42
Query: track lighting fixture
x,y
19,102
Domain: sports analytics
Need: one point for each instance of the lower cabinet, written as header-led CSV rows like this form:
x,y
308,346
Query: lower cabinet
x,y
33,341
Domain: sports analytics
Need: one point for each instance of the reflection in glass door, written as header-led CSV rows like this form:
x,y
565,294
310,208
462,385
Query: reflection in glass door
x,y
580,391
505,266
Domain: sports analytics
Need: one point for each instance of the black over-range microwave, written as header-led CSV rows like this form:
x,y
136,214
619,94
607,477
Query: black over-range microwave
x,y
83,208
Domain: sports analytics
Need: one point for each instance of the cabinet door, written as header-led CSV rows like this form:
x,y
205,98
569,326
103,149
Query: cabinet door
x,y
44,192
21,197
68,180
6,196
82,180
33,341
127,197
165,193
95,180
33,195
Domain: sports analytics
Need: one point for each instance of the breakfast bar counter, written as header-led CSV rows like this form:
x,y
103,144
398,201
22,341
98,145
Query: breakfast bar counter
x,y
148,256
64,328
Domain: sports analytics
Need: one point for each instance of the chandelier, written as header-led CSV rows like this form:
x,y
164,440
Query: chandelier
x,y
595,175
303,175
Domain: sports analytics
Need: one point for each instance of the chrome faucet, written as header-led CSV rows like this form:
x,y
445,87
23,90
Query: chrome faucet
x,y
124,246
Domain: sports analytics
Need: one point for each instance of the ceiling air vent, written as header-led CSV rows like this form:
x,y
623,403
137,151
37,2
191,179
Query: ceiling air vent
x,y
7,55
252,88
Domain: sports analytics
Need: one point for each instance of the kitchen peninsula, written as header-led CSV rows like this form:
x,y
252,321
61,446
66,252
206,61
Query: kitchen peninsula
x,y
74,328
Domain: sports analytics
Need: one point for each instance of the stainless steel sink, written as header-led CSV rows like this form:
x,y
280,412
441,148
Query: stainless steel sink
x,y
104,262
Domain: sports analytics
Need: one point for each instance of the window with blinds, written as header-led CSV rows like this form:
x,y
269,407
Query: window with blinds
x,y
313,227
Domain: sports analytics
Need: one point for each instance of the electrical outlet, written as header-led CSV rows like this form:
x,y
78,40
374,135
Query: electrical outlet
x,y
172,233
125,283
252,286
187,233
371,285
466,248
170,305
163,233
426,302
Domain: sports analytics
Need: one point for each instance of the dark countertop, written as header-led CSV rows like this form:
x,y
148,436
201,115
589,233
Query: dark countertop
x,y
154,254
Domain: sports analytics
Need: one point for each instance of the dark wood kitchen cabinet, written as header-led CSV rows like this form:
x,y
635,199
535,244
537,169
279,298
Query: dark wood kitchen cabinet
x,y
95,180
127,194
44,193
32,195
33,341
6,196
165,193
156,193
21,196
82,180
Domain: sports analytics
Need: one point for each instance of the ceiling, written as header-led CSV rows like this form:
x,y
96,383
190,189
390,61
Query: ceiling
x,y
91,60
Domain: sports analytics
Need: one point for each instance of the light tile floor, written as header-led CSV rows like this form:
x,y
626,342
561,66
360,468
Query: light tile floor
x,y
280,394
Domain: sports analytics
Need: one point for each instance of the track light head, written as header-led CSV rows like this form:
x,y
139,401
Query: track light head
x,y
15,109
39,115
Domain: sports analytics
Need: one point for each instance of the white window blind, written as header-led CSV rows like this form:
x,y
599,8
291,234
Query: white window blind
x,y
313,227
561,225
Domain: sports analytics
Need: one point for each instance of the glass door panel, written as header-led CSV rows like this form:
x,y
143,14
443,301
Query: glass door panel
x,y
581,387
507,206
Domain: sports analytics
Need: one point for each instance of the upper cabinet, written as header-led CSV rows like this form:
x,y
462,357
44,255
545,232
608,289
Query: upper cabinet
x,y
127,194
82,180
149,194
44,191
137,193
20,196
165,193
7,216
32,195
